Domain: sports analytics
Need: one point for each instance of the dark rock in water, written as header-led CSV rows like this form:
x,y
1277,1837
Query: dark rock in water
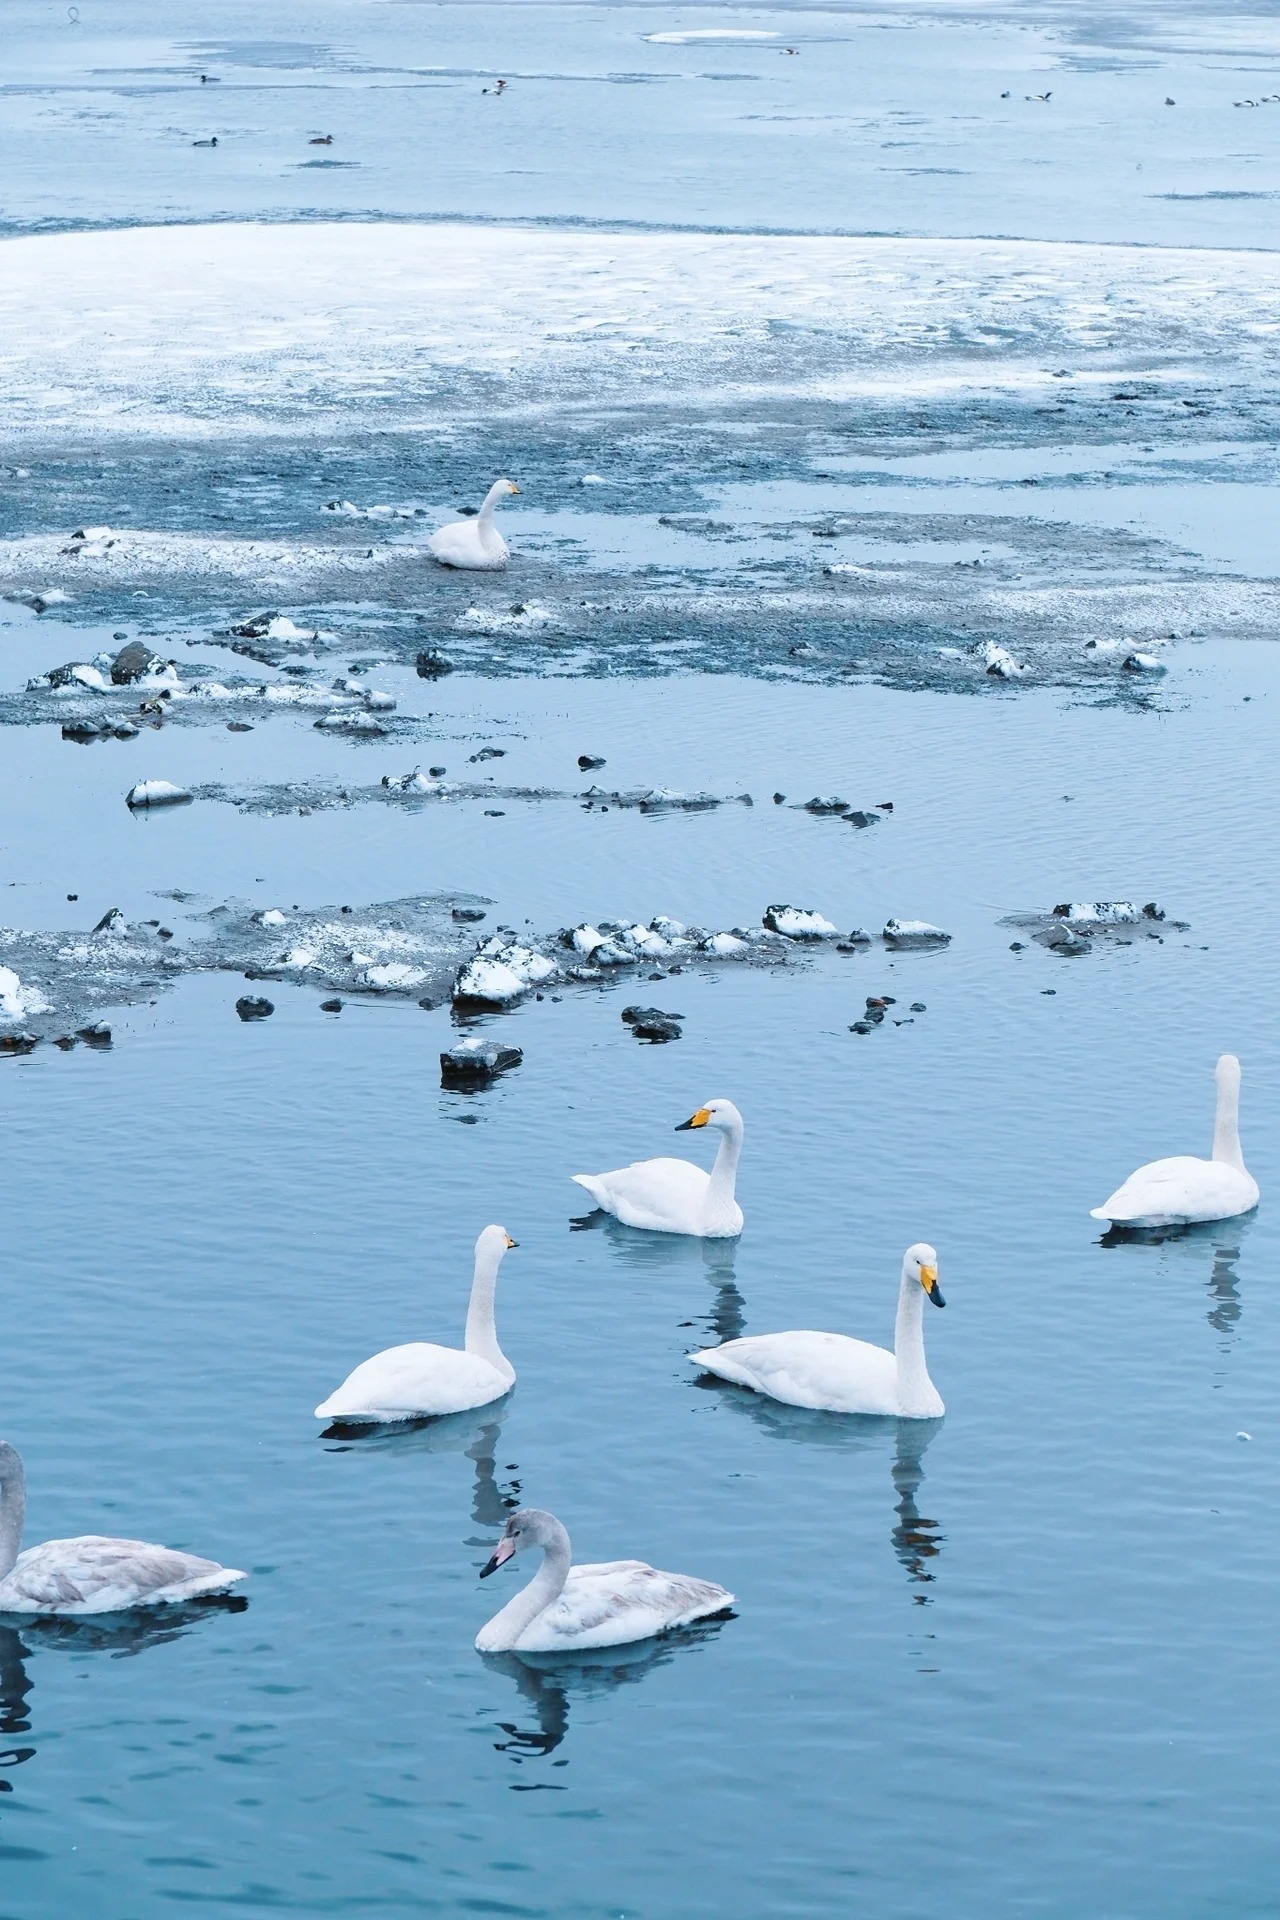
x,y
432,666
252,1007
494,813
239,726
84,730
489,753
884,806
830,805
857,817
589,760
1017,946
861,1026
134,662
474,1059
918,1006
112,921
66,1042
331,1006
650,1023
778,799
468,913
1152,912
437,773
874,1013
96,1035
18,1042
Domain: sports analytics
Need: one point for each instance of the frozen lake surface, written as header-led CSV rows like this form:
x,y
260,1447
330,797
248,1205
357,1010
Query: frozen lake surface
x,y
866,421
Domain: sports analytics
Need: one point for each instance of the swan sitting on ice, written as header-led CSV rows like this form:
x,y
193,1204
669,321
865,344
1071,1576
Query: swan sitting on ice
x,y
1183,1190
674,1196
475,544
419,1379
838,1375
91,1574
565,1608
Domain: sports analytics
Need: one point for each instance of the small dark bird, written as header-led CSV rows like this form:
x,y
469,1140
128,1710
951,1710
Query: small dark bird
x,y
206,143
1170,101
501,87
1006,95
791,49
208,79
322,140
1038,96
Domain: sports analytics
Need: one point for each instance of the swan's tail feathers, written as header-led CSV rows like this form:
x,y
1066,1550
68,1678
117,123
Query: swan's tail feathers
x,y
1099,1213
336,1408
592,1184
205,1585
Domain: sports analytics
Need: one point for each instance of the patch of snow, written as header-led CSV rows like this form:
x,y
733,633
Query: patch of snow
x,y
16,1001
156,793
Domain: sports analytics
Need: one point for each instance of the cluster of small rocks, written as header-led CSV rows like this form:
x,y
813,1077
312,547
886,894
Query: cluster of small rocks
x,y
1074,927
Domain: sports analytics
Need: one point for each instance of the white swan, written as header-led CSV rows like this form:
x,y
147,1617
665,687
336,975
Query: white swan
x,y
409,1382
839,1375
475,544
91,1574
1182,1190
674,1196
565,1608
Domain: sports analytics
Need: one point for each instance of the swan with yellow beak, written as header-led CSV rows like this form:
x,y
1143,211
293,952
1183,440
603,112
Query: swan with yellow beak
x,y
675,1196
835,1374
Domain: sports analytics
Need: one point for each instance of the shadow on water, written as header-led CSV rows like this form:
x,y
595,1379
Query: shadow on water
x,y
121,1638
475,1434
549,1683
916,1539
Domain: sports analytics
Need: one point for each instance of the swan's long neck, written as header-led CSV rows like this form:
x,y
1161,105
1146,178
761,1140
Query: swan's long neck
x,y
547,1584
1226,1126
491,499
915,1389
13,1513
724,1174
482,1335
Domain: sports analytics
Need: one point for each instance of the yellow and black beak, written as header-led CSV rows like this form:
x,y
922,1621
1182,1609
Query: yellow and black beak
x,y
514,487
511,1242
699,1119
929,1281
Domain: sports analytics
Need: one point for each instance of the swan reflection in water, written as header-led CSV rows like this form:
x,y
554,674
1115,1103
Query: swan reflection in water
x,y
120,1637
678,1253
475,1433
916,1539
1225,1305
549,1683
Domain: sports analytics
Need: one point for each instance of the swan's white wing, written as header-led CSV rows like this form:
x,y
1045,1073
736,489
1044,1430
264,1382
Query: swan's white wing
x,y
617,1601
804,1369
415,1379
663,1195
460,545
1182,1189
94,1574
